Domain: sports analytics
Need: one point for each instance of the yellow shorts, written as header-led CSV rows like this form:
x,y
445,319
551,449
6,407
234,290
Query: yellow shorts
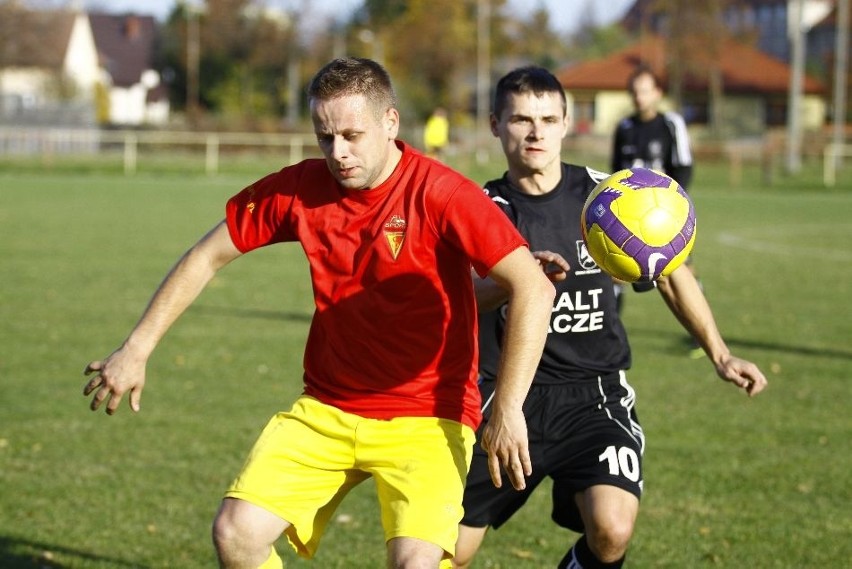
x,y
306,460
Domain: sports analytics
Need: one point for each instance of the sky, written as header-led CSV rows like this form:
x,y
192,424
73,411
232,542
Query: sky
x,y
564,13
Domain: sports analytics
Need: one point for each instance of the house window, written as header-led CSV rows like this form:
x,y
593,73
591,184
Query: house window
x,y
584,116
776,113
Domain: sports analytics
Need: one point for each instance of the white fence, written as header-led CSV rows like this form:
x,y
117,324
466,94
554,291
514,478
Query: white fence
x,y
831,156
52,141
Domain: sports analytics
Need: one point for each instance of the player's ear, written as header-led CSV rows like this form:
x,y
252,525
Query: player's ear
x,y
391,122
493,120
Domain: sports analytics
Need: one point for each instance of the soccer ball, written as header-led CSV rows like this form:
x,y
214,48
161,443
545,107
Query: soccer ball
x,y
638,225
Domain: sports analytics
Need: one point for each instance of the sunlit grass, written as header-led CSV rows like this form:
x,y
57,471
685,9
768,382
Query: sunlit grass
x,y
730,482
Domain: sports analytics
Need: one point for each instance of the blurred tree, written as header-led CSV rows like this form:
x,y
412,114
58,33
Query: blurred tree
x,y
431,64
696,32
436,66
248,44
244,50
427,66
597,42
251,65
591,41
531,40
381,13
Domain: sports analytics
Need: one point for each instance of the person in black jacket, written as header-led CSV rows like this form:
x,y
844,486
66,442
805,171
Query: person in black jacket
x,y
655,139
650,138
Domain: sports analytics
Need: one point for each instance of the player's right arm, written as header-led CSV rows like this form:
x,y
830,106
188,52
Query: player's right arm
x,y
123,371
531,297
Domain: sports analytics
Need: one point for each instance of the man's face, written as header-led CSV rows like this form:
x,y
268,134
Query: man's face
x,y
531,129
355,140
646,96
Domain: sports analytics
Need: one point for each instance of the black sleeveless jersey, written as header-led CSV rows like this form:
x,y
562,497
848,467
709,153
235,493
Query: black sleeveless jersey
x,y
586,337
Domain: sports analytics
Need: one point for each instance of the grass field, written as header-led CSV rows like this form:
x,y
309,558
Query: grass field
x,y
730,482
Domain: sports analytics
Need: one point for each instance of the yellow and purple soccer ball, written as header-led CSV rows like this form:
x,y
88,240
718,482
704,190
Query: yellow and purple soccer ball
x,y
639,225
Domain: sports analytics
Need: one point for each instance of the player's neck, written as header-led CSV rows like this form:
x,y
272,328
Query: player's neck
x,y
393,159
648,116
536,183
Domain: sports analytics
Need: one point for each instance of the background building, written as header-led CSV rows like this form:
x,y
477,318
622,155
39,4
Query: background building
x,y
63,67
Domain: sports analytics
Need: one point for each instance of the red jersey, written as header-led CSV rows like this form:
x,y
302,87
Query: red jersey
x,y
394,330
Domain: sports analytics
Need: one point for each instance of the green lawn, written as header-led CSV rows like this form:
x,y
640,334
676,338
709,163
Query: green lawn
x,y
730,482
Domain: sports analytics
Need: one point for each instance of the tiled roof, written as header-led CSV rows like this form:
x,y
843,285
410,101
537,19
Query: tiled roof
x,y
40,40
745,70
125,45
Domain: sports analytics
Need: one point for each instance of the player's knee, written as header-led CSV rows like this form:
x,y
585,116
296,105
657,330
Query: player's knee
x,y
233,542
464,555
225,537
609,540
244,534
411,553
469,540
462,559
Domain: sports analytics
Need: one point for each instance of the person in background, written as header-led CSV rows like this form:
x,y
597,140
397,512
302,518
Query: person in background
x,y
584,432
651,138
436,133
390,362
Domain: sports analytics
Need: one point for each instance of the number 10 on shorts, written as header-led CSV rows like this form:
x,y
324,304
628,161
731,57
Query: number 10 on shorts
x,y
623,462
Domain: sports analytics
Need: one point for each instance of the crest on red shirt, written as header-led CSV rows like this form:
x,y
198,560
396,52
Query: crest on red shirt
x,y
250,193
395,234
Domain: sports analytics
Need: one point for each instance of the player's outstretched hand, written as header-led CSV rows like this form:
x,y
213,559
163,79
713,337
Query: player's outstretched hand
x,y
118,374
742,373
553,264
505,440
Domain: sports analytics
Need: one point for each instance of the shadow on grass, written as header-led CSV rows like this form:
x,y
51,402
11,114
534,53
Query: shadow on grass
x,y
681,341
16,553
251,313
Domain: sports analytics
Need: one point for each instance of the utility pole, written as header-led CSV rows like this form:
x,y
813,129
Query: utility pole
x,y
193,58
483,76
794,127
841,65
294,57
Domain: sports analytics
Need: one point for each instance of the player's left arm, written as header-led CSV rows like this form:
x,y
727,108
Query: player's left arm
x,y
684,298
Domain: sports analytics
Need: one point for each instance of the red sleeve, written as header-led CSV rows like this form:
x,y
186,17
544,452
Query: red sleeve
x,y
256,216
479,228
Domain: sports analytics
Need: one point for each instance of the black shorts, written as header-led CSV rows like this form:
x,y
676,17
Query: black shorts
x,y
579,435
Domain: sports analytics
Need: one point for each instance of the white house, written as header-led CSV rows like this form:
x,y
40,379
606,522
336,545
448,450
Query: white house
x,y
125,45
102,62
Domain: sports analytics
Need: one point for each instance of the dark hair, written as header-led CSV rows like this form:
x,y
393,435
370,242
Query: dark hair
x,y
639,71
354,76
529,79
